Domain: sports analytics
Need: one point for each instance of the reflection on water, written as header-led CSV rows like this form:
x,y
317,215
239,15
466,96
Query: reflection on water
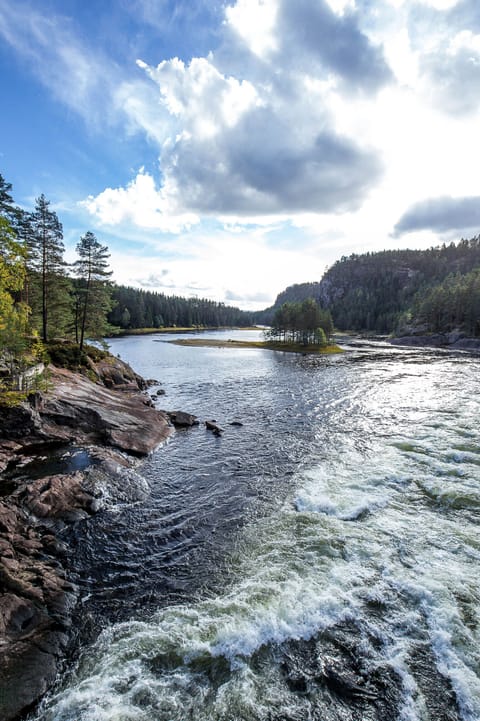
x,y
321,561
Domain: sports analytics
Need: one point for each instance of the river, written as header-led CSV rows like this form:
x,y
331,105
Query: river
x,y
319,561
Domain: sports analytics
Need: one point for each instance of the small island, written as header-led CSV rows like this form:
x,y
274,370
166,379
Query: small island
x,y
285,347
296,328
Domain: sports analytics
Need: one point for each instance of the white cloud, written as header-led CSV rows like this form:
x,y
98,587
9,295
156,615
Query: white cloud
x,y
139,203
254,21
340,6
200,96
440,4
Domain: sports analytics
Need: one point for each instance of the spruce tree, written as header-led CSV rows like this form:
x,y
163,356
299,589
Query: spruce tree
x,y
93,291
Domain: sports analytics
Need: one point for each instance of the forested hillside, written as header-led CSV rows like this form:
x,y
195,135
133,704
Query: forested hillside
x,y
433,290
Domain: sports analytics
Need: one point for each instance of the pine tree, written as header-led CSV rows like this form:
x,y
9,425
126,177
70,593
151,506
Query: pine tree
x,y
93,289
48,270
8,209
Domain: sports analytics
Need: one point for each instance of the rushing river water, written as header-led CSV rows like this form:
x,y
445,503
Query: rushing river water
x,y
320,561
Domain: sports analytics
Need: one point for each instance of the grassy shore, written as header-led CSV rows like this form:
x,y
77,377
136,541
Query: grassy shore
x,y
265,345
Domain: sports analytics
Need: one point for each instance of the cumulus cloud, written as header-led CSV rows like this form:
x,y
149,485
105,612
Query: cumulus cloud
x,y
319,36
446,40
246,151
140,203
258,142
255,22
442,215
324,115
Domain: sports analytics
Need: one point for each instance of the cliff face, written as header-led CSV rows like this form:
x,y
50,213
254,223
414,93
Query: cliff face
x,y
118,424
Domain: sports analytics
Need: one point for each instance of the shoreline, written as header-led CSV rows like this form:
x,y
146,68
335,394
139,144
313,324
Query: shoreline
x,y
260,345
110,424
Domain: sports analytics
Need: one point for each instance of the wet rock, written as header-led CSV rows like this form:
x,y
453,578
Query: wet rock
x,y
467,344
239,424
180,419
117,422
454,340
76,409
35,606
59,496
212,426
337,677
436,689
27,673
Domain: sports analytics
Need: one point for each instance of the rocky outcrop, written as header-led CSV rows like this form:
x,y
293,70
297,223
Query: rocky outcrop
x,y
35,604
106,412
180,419
214,427
437,340
76,409
83,411
453,341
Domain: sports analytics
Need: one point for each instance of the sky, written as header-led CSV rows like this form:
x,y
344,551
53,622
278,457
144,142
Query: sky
x,y
228,149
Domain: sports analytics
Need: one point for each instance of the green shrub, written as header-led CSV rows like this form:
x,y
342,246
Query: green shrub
x,y
66,354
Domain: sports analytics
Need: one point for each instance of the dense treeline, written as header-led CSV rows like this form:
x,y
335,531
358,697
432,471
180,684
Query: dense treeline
x,y
134,308
450,305
301,323
381,292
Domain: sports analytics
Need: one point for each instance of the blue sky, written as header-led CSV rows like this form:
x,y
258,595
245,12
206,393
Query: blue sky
x,y
229,149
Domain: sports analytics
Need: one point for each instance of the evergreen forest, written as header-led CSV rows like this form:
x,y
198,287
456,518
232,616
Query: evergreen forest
x,y
398,291
138,308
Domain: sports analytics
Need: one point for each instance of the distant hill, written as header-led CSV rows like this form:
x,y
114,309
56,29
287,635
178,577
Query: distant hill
x,y
378,292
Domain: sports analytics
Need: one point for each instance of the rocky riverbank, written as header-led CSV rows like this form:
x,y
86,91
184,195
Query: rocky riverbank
x,y
107,418
452,341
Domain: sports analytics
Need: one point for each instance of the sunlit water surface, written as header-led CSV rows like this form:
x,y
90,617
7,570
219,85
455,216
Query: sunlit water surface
x,y
320,561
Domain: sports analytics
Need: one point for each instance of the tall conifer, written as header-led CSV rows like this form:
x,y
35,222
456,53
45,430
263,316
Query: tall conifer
x,y
93,289
46,259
